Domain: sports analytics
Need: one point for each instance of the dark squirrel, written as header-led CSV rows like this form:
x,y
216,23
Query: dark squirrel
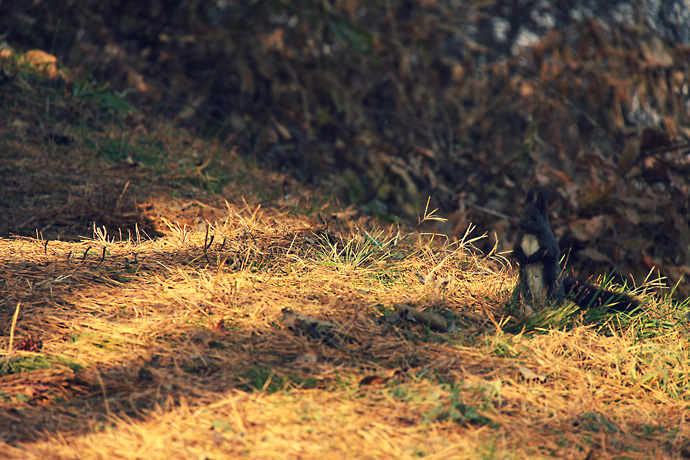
x,y
541,280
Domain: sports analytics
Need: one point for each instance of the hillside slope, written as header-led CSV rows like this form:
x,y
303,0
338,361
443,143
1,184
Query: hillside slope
x,y
165,298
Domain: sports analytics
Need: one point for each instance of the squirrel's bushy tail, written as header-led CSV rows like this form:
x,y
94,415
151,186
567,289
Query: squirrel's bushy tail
x,y
587,295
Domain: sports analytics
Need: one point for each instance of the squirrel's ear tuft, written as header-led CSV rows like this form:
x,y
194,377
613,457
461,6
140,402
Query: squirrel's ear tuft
x,y
541,201
531,195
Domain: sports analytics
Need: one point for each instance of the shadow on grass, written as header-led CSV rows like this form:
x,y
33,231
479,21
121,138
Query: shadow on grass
x,y
105,356
144,327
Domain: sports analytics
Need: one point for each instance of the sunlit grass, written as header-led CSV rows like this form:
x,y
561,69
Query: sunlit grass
x,y
195,337
176,346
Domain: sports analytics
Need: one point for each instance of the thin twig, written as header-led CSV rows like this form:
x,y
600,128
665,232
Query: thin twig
x,y
207,244
102,258
85,252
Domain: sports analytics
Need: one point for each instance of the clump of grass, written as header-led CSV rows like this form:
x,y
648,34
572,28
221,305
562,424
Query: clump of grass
x,y
19,364
462,412
569,314
362,247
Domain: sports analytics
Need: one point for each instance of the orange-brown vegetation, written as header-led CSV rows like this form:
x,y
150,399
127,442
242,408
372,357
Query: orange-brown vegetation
x,y
165,296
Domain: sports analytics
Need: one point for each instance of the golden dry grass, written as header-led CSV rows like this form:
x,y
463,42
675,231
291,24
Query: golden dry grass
x,y
174,346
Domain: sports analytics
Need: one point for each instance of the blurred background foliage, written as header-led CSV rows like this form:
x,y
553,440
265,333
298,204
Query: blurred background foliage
x,y
386,103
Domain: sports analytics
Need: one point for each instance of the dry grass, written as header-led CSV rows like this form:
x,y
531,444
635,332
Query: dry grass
x,y
174,346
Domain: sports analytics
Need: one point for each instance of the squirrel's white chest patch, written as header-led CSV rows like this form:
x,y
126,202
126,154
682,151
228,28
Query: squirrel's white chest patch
x,y
529,244
534,272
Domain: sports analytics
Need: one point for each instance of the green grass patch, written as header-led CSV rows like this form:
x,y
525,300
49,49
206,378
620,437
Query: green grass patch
x,y
21,364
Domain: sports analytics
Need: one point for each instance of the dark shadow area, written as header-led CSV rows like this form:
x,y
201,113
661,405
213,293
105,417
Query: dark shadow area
x,y
54,205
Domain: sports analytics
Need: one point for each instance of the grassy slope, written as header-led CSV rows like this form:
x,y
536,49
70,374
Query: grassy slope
x,y
174,346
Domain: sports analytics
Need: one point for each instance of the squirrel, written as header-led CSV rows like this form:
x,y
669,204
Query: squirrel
x,y
540,277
